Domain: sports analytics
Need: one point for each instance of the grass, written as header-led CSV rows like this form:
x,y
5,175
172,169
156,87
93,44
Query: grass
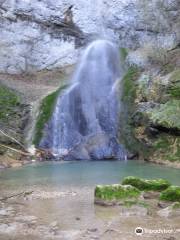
x,y
46,110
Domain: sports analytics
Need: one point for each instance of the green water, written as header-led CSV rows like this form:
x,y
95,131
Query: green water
x,y
88,173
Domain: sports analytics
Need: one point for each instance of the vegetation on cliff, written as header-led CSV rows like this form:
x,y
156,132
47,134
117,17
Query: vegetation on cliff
x,y
46,110
152,98
8,103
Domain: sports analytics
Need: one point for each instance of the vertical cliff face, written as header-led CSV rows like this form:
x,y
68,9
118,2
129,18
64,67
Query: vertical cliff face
x,y
34,36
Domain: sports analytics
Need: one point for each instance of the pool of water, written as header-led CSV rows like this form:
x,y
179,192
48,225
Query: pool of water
x,y
74,209
87,173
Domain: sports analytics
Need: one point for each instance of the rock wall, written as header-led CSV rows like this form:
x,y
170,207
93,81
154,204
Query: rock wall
x,y
33,36
36,43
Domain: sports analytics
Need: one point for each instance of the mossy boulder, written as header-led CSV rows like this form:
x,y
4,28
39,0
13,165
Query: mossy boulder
x,y
116,192
146,185
171,194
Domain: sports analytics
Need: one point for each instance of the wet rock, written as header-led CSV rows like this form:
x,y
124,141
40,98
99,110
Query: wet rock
x,y
3,212
16,164
28,219
2,166
151,195
134,211
171,211
163,204
92,229
10,228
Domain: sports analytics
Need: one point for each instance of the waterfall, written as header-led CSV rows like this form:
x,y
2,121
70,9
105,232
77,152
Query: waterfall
x,y
85,121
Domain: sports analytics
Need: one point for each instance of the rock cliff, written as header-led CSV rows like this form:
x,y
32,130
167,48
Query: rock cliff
x,y
37,46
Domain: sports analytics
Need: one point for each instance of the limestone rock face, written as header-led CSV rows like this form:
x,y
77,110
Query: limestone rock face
x,y
33,36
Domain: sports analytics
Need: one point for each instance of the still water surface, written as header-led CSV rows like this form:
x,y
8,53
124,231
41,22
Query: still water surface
x,y
87,173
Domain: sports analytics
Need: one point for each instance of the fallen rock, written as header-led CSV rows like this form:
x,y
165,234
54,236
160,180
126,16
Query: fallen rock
x,y
16,164
151,195
163,204
171,211
31,219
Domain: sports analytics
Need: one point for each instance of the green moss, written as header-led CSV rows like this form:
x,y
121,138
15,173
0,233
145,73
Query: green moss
x,y
167,115
167,147
171,194
116,192
123,53
130,203
174,87
174,90
129,86
8,101
176,205
46,110
146,185
126,131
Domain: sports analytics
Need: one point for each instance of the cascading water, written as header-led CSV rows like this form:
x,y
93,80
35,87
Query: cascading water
x,y
84,124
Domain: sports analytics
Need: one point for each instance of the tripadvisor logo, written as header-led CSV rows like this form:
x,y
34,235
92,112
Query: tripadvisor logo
x,y
139,231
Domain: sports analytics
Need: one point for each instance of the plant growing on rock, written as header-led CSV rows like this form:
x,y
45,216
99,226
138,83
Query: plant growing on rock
x,y
116,192
146,185
171,194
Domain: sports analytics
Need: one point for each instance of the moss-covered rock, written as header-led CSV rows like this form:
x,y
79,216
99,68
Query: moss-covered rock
x,y
126,130
171,194
176,205
166,115
116,192
123,53
166,148
146,185
46,110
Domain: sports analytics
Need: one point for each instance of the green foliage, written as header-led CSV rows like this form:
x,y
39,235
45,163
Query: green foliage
x,y
167,115
126,133
129,86
129,203
146,185
174,88
123,53
8,101
176,205
46,110
167,147
171,194
116,192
